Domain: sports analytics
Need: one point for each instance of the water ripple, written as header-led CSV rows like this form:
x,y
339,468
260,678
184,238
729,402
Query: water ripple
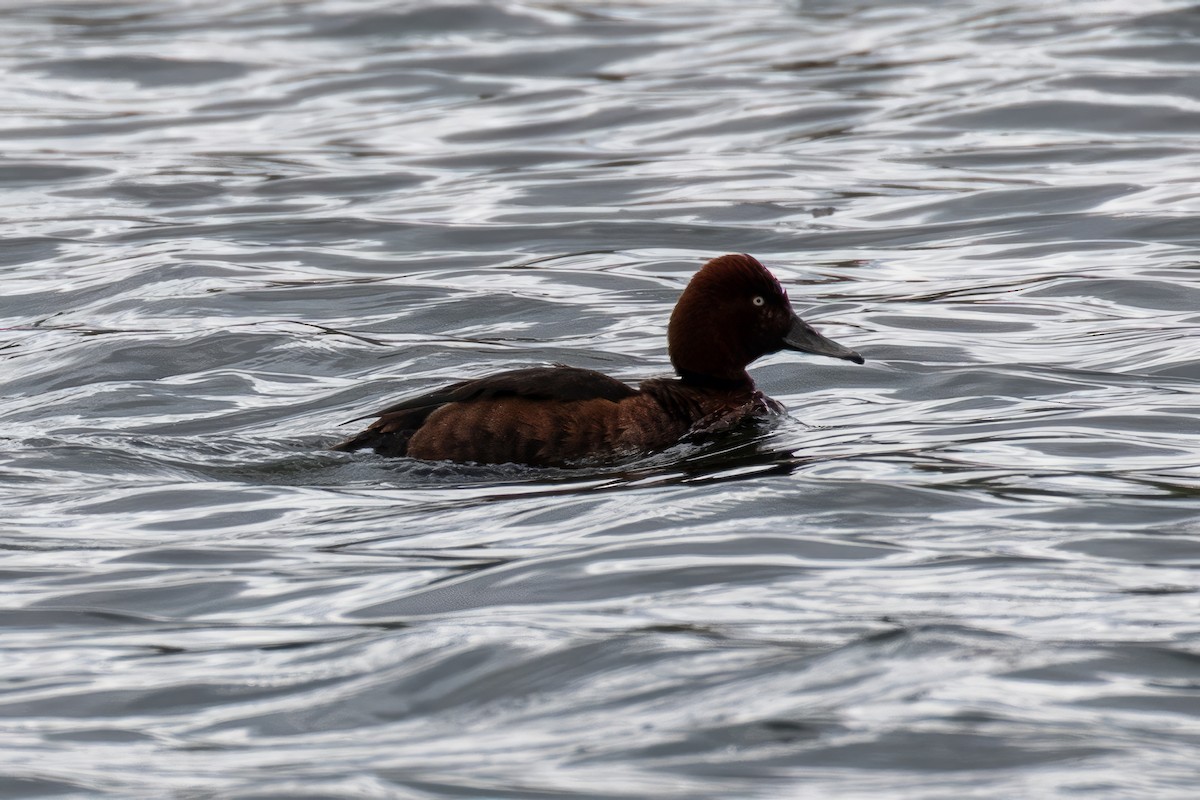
x,y
966,568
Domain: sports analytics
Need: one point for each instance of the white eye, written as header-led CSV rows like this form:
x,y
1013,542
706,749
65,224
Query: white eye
x,y
758,300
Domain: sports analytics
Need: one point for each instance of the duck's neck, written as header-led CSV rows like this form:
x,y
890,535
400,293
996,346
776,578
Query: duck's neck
x,y
699,379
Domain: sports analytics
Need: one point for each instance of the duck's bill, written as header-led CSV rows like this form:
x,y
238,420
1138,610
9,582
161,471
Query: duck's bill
x,y
804,337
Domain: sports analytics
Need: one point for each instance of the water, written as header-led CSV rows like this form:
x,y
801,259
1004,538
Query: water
x,y
965,569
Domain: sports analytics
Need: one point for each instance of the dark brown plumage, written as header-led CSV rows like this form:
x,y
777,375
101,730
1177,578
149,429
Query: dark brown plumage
x,y
732,312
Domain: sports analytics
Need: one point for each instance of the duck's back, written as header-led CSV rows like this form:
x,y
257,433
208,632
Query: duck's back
x,y
540,416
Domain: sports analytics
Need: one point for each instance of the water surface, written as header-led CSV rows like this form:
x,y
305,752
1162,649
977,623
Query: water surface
x,y
965,569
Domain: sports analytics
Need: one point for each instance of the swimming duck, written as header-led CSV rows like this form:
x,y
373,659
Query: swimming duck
x,y
732,312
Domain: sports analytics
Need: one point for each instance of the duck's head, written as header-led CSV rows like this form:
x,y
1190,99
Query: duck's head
x,y
732,312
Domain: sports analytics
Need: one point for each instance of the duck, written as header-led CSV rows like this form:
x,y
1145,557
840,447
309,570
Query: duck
x,y
732,312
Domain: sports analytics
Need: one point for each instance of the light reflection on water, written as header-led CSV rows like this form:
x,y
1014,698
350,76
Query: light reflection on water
x,y
965,568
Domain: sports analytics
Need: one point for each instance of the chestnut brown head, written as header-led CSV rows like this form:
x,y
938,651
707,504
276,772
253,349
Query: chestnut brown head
x,y
733,312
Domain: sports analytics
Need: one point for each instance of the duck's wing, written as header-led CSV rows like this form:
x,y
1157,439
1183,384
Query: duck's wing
x,y
535,383
396,424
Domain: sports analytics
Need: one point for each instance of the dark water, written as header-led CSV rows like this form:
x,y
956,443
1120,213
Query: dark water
x,y
966,569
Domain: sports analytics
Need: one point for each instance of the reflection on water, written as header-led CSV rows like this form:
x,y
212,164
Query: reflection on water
x,y
966,568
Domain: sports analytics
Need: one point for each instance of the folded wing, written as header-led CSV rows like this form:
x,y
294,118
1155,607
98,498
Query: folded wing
x,y
472,410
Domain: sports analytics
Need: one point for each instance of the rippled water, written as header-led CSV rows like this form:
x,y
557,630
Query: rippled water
x,y
966,569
